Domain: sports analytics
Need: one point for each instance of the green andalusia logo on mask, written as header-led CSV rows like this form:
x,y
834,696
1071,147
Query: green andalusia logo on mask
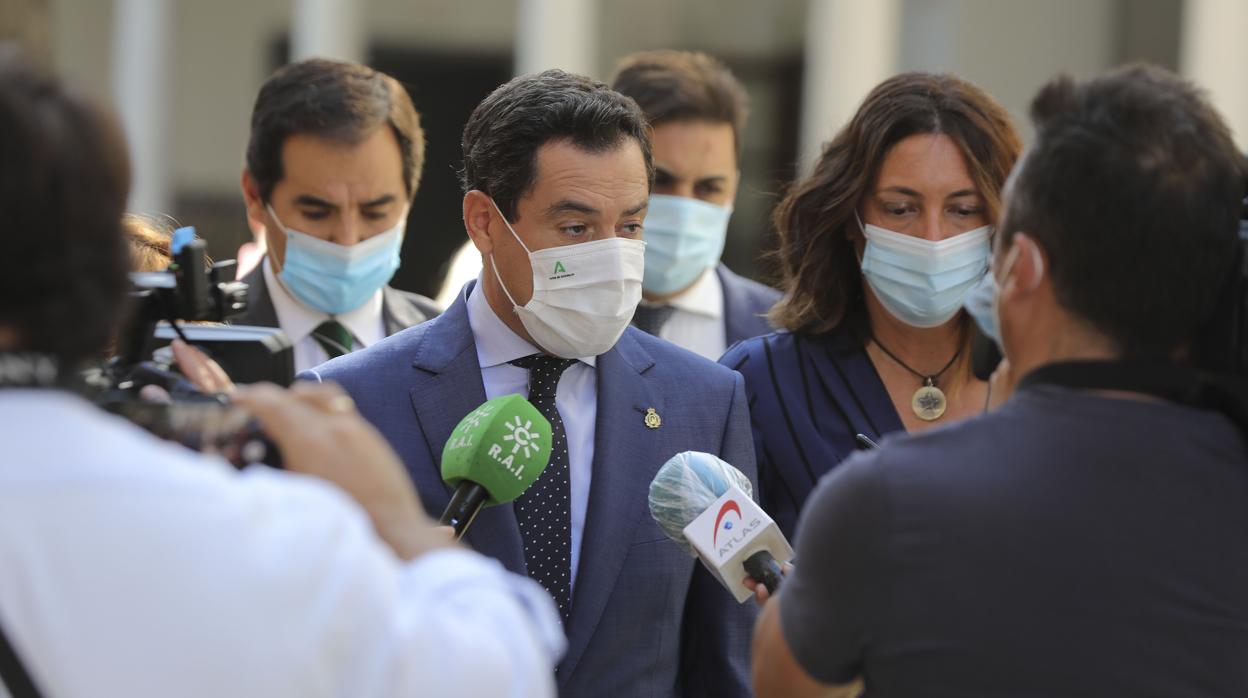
x,y
559,268
560,272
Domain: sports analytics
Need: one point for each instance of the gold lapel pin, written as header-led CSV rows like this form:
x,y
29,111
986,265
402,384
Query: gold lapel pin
x,y
653,420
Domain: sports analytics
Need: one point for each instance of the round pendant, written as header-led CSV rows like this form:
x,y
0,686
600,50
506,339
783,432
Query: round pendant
x,y
929,403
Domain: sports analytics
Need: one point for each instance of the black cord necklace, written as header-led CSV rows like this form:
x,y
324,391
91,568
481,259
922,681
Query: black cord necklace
x,y
929,402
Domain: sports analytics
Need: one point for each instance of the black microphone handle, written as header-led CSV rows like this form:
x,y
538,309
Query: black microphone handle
x,y
764,569
467,501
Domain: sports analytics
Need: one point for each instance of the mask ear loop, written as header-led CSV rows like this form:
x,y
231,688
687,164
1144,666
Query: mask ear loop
x,y
509,228
1038,260
494,265
1012,259
862,229
285,231
273,214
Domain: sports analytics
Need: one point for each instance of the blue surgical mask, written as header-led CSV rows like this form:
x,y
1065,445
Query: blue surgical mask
x,y
684,237
335,278
923,282
982,303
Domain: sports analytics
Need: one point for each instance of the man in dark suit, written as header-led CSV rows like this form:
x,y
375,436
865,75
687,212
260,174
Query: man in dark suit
x,y
697,110
333,162
557,174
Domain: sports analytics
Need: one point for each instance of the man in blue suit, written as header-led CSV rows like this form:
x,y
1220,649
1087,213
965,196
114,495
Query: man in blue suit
x,y
697,110
557,174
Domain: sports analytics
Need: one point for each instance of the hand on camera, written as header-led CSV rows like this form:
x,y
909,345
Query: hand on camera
x,y
205,374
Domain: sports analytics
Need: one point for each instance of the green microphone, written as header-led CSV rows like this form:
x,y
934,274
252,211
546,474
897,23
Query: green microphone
x,y
492,457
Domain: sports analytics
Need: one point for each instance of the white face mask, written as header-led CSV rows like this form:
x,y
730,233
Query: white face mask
x,y
584,295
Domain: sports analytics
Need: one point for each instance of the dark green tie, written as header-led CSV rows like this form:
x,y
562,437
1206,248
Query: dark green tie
x,y
333,338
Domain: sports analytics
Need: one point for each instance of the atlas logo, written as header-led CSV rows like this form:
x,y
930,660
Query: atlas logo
x,y
736,532
729,506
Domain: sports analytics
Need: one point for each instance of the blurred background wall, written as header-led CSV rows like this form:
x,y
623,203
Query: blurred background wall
x,y
183,74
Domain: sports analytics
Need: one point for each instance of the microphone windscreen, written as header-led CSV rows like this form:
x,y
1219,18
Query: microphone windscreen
x,y
503,445
686,486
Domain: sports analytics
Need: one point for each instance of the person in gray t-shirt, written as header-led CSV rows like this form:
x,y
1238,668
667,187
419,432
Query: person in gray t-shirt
x,y
1069,544
1077,541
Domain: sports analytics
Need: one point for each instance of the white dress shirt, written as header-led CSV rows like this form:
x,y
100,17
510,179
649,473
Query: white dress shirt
x,y
133,567
297,321
698,321
576,398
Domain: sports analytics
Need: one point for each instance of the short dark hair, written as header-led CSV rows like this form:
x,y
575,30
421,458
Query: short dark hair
x,y
1133,189
683,86
505,131
64,178
336,100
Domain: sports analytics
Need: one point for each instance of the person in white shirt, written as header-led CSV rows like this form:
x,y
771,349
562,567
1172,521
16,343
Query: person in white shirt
x,y
133,567
333,163
697,111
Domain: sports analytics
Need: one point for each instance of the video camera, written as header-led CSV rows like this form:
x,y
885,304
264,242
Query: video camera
x,y
190,291
162,302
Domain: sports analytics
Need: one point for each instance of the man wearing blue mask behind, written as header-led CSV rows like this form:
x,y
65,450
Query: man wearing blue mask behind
x,y
557,174
697,111
333,163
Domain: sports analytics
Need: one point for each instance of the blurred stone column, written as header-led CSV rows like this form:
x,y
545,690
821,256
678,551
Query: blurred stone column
x,y
851,45
142,37
1214,53
27,24
328,29
557,34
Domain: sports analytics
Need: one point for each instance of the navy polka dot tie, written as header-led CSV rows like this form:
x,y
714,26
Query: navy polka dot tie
x,y
544,511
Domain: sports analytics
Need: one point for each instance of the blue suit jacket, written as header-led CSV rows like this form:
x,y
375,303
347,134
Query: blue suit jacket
x,y
809,397
746,304
646,619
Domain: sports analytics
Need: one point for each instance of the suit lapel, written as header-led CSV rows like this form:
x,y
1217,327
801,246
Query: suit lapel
x,y
733,331
627,454
260,312
397,312
850,379
448,387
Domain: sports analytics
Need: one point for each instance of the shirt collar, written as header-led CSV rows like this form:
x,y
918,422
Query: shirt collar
x,y
497,344
705,297
298,320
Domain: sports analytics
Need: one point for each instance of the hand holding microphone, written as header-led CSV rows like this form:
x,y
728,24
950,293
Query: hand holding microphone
x,y
493,455
705,506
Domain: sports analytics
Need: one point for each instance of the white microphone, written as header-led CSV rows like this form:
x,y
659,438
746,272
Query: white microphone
x,y
705,506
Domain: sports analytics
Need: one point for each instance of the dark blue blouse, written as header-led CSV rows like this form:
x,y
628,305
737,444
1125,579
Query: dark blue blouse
x,y
809,397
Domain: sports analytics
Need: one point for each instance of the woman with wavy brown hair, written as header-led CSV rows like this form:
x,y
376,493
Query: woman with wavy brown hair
x,y
879,248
